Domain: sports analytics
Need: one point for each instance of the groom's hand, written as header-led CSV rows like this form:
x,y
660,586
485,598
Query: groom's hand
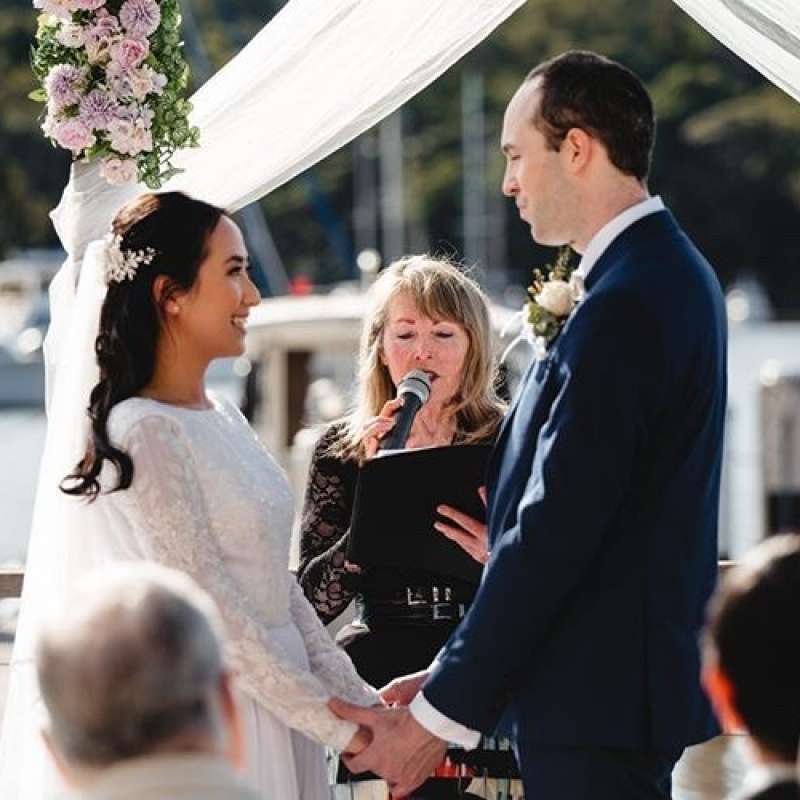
x,y
402,752
401,691
360,739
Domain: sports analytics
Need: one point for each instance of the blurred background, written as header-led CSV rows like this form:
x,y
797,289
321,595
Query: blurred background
x,y
428,179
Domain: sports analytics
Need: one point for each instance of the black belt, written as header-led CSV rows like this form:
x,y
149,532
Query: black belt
x,y
375,615
414,596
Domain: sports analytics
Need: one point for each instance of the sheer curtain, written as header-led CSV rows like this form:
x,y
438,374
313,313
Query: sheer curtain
x,y
764,33
320,73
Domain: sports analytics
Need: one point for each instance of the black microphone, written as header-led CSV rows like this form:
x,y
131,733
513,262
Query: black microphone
x,y
415,389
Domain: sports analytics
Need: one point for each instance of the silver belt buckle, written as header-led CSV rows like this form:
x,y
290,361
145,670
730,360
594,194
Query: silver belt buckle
x,y
414,598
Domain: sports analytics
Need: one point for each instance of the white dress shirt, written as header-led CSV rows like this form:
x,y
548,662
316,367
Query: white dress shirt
x,y
423,712
763,776
599,243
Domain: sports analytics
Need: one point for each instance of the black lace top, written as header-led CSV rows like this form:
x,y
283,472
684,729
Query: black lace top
x,y
324,530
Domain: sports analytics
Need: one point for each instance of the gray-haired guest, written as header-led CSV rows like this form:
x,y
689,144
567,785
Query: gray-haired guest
x,y
139,701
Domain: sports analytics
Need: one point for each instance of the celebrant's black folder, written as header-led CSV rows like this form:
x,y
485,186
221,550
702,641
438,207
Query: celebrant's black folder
x,y
395,507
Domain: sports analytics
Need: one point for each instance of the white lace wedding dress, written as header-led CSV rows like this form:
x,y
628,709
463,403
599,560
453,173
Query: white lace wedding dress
x,y
208,499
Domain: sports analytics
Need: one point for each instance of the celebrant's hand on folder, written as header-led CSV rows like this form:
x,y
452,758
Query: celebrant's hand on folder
x,y
471,534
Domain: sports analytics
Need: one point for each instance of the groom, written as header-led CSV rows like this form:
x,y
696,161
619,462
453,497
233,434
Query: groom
x,y
604,487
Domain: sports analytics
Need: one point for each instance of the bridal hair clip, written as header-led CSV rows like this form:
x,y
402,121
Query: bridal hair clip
x,y
121,265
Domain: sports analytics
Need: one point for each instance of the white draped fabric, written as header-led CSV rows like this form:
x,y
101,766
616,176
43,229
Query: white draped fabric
x,y
322,72
764,33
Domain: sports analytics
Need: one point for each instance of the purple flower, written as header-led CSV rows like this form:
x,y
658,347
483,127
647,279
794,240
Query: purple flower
x,y
140,18
73,135
63,85
87,5
98,109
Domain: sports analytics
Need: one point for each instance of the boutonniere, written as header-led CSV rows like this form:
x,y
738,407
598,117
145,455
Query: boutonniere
x,y
552,297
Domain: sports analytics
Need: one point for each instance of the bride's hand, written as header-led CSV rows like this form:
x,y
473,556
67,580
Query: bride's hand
x,y
376,428
361,738
401,691
471,534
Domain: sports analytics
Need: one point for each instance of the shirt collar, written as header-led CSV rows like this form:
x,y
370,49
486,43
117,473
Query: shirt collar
x,y
603,238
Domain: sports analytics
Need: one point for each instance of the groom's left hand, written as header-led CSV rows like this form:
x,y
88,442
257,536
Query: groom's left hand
x,y
402,752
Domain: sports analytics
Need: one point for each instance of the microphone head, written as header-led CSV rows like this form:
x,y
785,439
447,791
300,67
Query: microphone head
x,y
417,383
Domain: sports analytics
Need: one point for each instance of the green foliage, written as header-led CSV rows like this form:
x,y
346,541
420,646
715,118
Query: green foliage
x,y
726,158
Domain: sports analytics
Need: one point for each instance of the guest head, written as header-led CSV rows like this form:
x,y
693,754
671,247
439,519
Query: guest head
x,y
752,648
178,292
132,667
578,137
425,313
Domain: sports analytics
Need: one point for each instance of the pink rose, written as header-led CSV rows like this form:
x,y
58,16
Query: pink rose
x,y
119,170
129,53
99,38
72,134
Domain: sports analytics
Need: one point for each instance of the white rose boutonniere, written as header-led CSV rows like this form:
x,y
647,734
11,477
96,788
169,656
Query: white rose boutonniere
x,y
552,297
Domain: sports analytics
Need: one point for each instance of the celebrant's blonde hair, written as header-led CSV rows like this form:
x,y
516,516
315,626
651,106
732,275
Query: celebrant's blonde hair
x,y
441,291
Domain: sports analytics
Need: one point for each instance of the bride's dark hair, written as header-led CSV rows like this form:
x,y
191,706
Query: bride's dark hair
x,y
177,228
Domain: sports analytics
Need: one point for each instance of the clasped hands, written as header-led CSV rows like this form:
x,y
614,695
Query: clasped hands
x,y
389,741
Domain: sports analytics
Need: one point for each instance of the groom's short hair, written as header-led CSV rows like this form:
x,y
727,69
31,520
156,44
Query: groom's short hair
x,y
130,663
754,636
579,89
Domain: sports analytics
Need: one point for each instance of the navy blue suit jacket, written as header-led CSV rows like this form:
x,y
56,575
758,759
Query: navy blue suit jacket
x,y
602,514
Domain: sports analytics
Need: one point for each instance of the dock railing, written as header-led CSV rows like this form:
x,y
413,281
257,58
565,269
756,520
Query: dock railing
x,y
11,582
11,579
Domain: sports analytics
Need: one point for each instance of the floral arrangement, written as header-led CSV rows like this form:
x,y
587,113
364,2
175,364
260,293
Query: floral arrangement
x,y
113,76
552,296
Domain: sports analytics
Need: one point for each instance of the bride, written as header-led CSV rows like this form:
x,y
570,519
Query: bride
x,y
173,475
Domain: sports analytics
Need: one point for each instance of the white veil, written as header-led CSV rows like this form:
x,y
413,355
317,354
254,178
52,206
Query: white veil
x,y
322,72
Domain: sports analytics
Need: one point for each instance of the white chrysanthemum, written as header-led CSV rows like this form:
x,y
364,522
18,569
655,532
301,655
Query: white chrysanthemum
x,y
70,34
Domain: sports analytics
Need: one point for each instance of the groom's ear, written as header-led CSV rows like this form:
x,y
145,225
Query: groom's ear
x,y
577,149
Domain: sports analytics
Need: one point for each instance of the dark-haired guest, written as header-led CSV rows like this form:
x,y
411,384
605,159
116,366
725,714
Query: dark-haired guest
x,y
752,663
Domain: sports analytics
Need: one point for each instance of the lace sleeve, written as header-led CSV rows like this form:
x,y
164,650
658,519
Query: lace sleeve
x,y
324,526
328,661
168,511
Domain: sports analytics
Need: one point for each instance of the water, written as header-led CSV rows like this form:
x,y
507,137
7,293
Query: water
x,y
22,438
21,442
22,434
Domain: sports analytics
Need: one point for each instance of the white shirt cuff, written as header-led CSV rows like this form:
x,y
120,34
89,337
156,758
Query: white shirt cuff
x,y
439,725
